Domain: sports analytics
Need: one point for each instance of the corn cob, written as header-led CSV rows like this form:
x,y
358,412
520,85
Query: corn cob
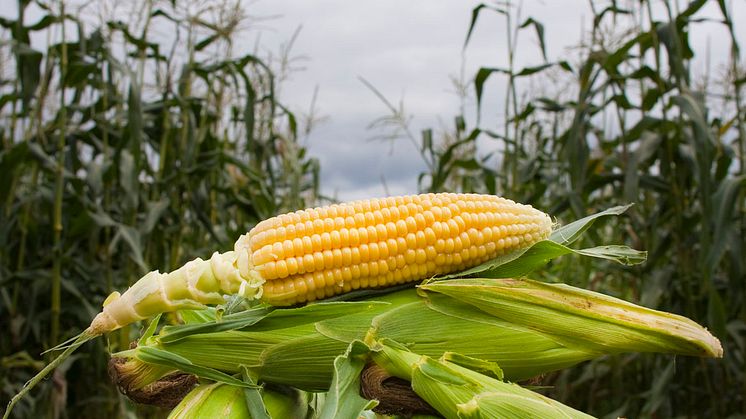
x,y
317,253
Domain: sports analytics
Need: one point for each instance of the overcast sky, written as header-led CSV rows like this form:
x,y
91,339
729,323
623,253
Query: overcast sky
x,y
409,50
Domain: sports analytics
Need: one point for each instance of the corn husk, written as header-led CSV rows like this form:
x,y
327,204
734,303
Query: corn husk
x,y
220,400
586,318
525,327
459,392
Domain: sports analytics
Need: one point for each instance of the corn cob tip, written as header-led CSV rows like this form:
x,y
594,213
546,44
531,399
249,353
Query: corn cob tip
x,y
101,324
197,283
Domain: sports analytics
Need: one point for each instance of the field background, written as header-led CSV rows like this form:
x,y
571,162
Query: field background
x,y
138,139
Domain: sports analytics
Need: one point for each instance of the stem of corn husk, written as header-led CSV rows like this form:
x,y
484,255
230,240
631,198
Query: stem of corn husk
x,y
456,391
147,383
394,395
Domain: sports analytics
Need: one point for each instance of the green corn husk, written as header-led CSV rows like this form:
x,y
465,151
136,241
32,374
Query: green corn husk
x,y
219,400
525,327
459,392
590,319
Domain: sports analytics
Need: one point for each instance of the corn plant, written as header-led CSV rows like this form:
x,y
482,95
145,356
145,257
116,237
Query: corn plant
x,y
124,150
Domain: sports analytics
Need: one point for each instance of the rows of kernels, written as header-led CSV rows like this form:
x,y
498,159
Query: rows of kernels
x,y
280,262
288,241
320,285
434,234
371,212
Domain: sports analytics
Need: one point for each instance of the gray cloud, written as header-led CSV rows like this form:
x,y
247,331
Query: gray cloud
x,y
409,49
353,166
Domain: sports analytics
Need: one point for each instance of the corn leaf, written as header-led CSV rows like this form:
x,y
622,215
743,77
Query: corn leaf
x,y
253,397
571,232
150,331
592,320
490,369
343,399
317,312
621,254
169,359
197,316
230,322
314,352
521,262
532,259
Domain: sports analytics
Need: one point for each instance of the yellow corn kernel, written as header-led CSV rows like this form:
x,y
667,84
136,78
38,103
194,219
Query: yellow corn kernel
x,y
321,252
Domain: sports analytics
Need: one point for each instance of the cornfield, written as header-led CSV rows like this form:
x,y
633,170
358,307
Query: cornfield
x,y
135,145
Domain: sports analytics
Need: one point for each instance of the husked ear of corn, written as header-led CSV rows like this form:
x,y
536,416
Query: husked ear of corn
x,y
321,252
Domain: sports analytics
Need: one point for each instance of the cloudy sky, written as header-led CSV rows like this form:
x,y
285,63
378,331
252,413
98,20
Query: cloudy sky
x,y
409,50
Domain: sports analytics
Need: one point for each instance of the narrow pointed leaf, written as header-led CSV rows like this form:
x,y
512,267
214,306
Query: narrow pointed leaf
x,y
571,232
343,399
621,254
160,357
230,322
253,398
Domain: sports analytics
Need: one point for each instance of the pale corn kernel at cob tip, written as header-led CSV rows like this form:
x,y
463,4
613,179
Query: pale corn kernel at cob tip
x,y
317,253
196,283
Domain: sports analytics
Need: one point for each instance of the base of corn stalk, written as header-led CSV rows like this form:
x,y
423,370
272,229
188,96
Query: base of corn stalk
x,y
167,392
395,395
